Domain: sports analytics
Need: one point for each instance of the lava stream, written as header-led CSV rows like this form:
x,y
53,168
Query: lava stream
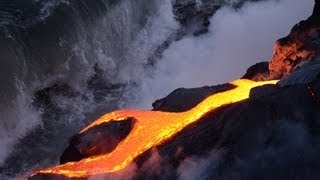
x,y
151,129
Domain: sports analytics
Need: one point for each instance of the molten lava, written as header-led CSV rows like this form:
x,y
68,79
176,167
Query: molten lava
x,y
151,129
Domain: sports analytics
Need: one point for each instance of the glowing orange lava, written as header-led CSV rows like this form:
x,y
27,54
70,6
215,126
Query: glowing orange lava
x,y
151,129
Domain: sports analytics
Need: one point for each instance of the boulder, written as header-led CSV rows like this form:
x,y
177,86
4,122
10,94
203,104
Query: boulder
x,y
258,72
183,99
97,140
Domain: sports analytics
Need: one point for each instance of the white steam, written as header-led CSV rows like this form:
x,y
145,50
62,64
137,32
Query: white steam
x,y
236,40
197,168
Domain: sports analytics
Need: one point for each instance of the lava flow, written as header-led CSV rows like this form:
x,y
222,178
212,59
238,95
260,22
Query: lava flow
x,y
150,129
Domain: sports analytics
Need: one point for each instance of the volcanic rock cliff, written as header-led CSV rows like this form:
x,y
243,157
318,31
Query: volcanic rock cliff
x,y
274,134
299,46
293,51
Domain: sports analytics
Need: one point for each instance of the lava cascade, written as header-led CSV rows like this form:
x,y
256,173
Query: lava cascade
x,y
151,128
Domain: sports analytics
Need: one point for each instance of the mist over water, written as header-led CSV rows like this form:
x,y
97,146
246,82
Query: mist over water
x,y
236,40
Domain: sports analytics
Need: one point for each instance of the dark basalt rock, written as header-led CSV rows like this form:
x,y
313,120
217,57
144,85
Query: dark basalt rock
x,y
183,99
265,90
97,140
308,73
316,9
258,72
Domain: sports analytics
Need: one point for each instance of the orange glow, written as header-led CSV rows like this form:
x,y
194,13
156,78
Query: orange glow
x,y
151,129
313,94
